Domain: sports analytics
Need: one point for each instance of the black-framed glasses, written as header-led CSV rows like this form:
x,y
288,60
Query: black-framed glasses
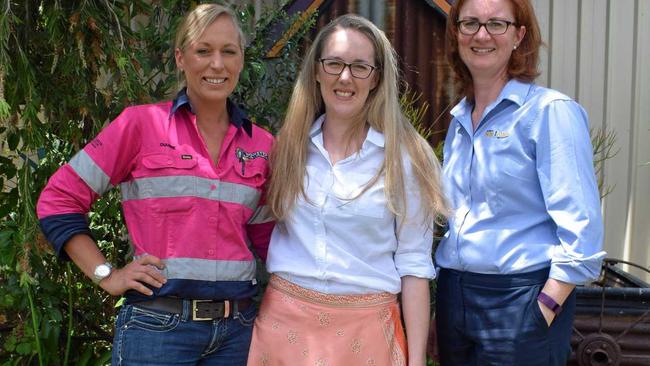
x,y
495,27
358,70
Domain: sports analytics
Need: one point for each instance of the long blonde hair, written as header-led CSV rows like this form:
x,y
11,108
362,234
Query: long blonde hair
x,y
382,112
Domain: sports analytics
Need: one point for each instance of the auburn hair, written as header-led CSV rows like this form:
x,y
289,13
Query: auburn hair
x,y
524,61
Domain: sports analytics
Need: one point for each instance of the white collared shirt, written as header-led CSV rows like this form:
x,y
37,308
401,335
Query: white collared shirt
x,y
336,245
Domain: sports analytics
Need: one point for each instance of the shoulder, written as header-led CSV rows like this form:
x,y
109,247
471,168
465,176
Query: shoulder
x,y
542,97
147,112
549,104
262,136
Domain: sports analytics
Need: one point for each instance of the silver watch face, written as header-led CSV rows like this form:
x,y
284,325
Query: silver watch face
x,y
102,271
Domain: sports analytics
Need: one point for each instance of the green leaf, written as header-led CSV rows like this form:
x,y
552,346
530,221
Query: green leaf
x,y
25,348
120,302
105,358
259,69
85,357
10,344
13,138
5,110
7,301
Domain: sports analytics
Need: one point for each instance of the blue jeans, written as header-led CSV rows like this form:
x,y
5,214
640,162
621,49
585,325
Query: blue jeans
x,y
487,319
146,337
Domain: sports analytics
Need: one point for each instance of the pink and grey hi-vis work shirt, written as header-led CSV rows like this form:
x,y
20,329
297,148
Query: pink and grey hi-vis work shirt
x,y
197,216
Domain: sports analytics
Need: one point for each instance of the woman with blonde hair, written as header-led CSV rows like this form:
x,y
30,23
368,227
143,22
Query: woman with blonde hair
x,y
192,174
355,191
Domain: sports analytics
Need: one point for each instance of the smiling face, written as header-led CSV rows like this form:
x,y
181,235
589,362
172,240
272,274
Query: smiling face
x,y
486,55
344,96
212,63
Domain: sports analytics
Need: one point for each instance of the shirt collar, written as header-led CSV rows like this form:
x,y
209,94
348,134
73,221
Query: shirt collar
x,y
514,91
237,116
375,137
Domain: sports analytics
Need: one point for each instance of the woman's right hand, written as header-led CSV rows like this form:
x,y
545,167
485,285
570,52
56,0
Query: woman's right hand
x,y
134,276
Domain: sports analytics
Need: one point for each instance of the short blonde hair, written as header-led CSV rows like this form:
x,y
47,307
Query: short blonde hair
x,y
196,22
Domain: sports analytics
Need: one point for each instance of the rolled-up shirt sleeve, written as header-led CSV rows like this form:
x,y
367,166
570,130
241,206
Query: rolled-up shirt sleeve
x,y
70,192
414,234
570,190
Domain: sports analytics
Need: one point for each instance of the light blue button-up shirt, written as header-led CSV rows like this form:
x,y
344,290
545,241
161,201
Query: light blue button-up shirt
x,y
522,187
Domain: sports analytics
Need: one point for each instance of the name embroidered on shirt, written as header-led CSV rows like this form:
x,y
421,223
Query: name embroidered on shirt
x,y
497,134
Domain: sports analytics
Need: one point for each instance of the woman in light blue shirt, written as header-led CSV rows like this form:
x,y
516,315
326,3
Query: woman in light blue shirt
x,y
355,190
526,226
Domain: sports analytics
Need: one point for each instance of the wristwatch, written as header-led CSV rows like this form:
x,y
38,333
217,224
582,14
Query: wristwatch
x,y
102,271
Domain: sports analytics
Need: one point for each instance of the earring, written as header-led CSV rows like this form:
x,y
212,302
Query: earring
x,y
515,47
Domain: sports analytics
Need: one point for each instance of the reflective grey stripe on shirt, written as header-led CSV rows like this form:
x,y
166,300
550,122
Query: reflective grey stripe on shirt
x,y
208,269
190,186
261,215
90,172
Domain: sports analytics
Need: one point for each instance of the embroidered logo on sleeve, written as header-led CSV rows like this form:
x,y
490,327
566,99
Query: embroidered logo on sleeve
x,y
497,134
244,156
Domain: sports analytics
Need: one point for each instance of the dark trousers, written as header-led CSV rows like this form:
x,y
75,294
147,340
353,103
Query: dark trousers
x,y
486,319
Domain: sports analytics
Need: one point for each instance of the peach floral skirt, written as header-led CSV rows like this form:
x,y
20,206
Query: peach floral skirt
x,y
296,326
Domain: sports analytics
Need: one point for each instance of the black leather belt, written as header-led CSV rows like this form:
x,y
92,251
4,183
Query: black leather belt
x,y
200,309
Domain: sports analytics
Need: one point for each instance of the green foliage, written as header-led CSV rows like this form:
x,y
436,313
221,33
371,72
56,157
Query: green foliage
x,y
603,142
265,85
66,69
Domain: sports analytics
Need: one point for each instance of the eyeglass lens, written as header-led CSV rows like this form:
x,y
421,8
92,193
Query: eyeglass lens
x,y
494,27
336,67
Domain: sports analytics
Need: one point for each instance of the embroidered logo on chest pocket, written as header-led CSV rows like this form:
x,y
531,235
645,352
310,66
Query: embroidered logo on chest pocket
x,y
497,134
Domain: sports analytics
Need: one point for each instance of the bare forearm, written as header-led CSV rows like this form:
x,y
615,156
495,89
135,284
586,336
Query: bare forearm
x,y
415,306
136,275
558,291
84,253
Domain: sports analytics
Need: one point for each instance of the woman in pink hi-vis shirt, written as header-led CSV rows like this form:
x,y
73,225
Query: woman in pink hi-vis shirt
x,y
192,174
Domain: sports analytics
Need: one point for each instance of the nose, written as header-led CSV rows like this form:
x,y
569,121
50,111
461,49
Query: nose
x,y
217,61
482,32
346,74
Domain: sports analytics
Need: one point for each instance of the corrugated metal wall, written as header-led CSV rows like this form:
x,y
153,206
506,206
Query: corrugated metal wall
x,y
416,31
599,53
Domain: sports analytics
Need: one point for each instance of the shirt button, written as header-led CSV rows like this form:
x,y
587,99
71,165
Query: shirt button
x,y
210,252
213,187
212,219
169,162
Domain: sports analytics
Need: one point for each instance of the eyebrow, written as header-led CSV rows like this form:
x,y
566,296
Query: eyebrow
x,y
355,61
477,19
211,45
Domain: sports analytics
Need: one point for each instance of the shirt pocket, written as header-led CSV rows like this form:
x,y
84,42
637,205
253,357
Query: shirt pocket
x,y
172,162
169,179
252,172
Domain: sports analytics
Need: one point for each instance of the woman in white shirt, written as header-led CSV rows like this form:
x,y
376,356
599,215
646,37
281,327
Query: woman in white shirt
x,y
355,193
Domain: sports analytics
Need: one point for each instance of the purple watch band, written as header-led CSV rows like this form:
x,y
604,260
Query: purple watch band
x,y
549,303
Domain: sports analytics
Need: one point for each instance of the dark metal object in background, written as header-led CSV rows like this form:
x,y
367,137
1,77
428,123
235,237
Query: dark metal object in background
x,y
612,322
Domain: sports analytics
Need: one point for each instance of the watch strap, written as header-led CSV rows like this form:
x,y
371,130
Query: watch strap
x,y
549,303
